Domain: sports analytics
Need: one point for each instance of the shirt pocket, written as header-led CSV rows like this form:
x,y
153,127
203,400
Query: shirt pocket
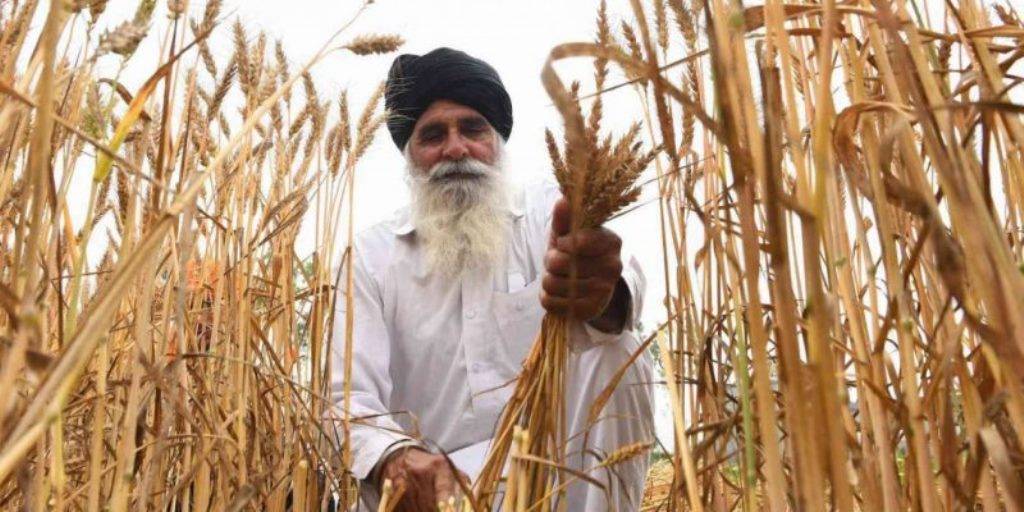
x,y
518,315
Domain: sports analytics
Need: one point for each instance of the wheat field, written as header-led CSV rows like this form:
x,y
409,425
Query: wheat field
x,y
839,193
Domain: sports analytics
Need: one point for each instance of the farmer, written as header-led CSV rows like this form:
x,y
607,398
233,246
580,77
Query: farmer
x,y
448,298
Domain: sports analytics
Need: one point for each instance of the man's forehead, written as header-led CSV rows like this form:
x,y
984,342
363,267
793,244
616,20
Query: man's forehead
x,y
443,110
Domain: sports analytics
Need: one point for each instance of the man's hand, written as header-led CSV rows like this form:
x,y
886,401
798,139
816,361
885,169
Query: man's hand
x,y
600,297
423,479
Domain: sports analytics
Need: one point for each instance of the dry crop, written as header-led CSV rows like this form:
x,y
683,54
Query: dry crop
x,y
840,203
166,351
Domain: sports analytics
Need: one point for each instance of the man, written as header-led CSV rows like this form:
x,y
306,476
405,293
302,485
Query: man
x,y
448,298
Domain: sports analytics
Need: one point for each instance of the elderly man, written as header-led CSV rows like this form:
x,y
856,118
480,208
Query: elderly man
x,y
448,298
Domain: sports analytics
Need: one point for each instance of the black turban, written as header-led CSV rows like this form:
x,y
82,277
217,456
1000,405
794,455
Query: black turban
x,y
416,81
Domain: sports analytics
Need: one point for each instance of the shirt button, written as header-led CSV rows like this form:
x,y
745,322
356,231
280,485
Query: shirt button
x,y
475,368
471,313
520,306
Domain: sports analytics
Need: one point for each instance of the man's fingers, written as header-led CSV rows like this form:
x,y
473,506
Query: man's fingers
x,y
444,484
419,496
418,472
564,287
589,242
403,491
560,264
555,305
584,309
404,494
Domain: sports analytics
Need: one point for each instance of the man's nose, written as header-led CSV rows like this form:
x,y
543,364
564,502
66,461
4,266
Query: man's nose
x,y
455,147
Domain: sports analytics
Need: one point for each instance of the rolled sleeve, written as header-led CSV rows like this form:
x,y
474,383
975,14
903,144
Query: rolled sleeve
x,y
374,477
369,448
633,275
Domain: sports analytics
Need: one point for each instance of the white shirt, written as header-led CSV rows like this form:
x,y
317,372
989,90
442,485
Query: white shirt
x,y
436,359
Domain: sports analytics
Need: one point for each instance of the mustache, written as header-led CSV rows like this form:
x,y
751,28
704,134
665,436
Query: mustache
x,y
458,169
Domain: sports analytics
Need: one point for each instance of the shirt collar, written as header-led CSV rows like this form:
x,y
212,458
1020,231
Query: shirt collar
x,y
402,222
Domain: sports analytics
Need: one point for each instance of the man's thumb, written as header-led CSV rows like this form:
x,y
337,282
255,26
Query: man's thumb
x,y
561,217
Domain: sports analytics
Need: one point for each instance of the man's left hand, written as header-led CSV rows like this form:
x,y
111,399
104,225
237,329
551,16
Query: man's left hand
x,y
600,297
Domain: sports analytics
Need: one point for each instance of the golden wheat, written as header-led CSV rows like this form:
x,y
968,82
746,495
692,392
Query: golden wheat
x,y
185,368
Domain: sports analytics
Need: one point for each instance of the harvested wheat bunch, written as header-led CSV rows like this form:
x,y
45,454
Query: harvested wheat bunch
x,y
597,175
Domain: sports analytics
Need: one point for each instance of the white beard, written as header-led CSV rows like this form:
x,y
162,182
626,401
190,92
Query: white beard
x,y
460,212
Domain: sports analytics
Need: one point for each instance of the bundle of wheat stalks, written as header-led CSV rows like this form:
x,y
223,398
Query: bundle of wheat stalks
x,y
597,175
164,349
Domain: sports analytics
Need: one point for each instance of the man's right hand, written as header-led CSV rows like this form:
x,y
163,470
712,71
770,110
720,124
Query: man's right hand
x,y
424,479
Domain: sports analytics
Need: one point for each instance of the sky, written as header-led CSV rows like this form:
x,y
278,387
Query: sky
x,y
514,36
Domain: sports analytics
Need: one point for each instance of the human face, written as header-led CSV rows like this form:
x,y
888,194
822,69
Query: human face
x,y
450,131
